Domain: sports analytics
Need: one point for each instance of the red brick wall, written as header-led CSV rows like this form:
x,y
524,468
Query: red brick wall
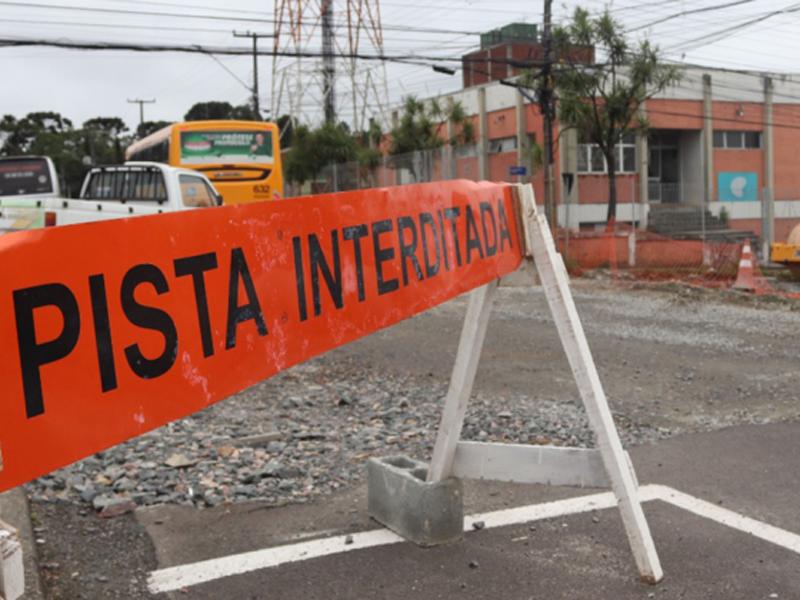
x,y
593,189
675,114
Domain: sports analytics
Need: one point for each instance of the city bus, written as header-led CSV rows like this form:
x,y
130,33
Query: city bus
x,y
241,158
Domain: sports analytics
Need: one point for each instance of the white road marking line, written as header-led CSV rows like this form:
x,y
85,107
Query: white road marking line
x,y
175,578
538,512
724,516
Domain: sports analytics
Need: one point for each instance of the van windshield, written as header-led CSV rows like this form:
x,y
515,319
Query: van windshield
x,y
22,176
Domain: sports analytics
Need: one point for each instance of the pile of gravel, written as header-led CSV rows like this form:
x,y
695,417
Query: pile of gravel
x,y
303,433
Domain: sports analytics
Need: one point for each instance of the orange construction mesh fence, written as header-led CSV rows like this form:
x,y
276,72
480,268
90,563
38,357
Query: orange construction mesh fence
x,y
638,255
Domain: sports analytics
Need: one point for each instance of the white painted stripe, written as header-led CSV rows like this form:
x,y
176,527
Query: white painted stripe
x,y
538,512
724,516
175,578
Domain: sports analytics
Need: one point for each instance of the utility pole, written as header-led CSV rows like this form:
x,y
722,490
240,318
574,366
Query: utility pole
x,y
255,37
328,66
546,107
141,104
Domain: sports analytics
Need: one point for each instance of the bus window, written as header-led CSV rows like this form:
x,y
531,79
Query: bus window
x,y
23,176
196,193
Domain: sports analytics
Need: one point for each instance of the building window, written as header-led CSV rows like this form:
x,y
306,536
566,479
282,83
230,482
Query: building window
x,y
500,145
592,160
737,139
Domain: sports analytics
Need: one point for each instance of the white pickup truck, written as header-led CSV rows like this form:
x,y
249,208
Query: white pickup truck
x,y
131,189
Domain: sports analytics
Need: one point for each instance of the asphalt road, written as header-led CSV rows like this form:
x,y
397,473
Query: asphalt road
x,y
722,374
745,469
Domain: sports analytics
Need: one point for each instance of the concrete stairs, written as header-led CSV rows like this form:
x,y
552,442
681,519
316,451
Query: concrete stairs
x,y
687,222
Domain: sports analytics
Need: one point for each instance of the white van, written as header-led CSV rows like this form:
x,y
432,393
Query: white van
x,y
25,181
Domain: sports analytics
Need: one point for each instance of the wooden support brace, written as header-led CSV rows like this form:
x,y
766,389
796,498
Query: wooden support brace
x,y
525,463
555,282
455,406
12,571
609,464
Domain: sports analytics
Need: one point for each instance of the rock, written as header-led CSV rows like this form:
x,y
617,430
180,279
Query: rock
x,y
290,472
478,525
118,507
226,451
102,480
100,502
179,461
258,440
473,564
348,540
504,415
88,493
124,484
309,435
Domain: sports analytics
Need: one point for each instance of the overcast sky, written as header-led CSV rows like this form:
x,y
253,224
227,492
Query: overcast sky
x,y
754,34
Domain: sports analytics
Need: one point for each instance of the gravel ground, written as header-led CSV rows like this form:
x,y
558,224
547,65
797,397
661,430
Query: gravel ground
x,y
672,361
328,418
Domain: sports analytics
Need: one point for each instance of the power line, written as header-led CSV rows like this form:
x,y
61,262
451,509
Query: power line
x,y
220,31
185,6
690,12
408,58
230,72
207,17
727,31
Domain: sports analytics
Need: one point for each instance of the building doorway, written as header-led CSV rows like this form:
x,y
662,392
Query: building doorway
x,y
663,169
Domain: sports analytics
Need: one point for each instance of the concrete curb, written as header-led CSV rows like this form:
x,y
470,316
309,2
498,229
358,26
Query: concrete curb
x,y
14,510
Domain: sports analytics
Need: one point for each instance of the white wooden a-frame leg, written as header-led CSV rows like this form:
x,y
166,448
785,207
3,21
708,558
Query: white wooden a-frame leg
x,y
555,282
12,572
461,380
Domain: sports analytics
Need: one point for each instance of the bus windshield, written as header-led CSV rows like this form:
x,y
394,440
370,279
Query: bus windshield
x,y
225,147
24,176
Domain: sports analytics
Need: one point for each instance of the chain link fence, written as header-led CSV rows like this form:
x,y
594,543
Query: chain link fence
x,y
676,236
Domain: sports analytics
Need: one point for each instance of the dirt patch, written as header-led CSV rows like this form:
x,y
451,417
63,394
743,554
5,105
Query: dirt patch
x,y
83,556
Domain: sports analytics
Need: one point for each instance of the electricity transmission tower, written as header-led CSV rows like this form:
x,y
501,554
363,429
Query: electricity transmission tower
x,y
339,87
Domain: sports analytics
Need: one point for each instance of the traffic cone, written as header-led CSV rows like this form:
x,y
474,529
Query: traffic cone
x,y
745,279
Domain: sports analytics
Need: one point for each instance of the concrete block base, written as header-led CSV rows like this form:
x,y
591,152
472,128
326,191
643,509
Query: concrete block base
x,y
427,514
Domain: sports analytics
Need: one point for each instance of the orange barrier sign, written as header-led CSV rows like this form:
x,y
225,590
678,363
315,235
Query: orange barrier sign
x,y
113,328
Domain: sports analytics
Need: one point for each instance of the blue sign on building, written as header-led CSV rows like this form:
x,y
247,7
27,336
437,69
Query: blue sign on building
x,y
517,170
733,186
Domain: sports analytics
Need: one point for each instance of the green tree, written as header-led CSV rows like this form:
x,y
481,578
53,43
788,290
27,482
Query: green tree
x,y
286,128
47,134
312,150
420,128
203,111
147,127
104,140
602,100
